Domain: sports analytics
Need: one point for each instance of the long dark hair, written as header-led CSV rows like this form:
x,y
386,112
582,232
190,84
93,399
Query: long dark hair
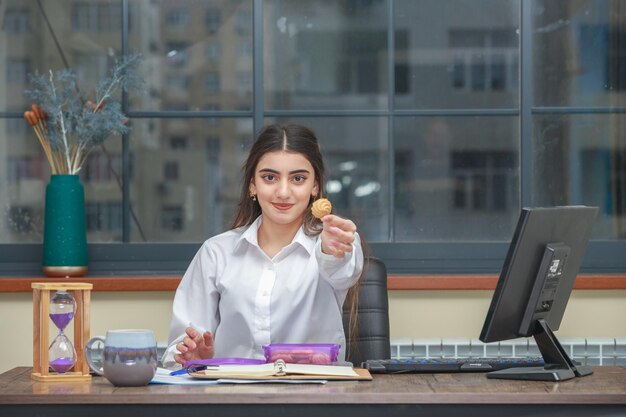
x,y
302,140
290,138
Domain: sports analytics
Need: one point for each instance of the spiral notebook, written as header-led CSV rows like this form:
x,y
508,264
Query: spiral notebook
x,y
282,370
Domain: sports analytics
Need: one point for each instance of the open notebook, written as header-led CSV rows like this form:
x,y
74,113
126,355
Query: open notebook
x,y
282,370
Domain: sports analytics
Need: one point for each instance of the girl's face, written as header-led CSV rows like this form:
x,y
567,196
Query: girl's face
x,y
283,183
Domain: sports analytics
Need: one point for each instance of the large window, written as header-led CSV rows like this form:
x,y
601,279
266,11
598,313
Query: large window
x,y
438,120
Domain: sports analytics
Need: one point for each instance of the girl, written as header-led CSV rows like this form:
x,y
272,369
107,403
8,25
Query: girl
x,y
280,275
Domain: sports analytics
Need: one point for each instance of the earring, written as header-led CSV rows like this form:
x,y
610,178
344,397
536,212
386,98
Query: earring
x,y
252,196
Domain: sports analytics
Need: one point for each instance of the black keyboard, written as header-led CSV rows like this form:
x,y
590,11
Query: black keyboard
x,y
438,365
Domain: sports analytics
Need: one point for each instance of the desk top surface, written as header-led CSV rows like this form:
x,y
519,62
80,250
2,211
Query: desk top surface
x,y
606,386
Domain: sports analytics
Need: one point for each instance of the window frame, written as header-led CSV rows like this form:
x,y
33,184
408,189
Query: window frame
x,y
458,257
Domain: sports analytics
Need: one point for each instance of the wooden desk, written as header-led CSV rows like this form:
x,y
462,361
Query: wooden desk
x,y
603,393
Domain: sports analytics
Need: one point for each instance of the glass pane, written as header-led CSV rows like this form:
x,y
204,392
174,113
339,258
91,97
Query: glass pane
x,y
24,172
580,159
197,54
455,180
88,33
456,54
85,31
355,152
325,55
579,53
185,177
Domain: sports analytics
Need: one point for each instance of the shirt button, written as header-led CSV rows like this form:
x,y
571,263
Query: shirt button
x,y
265,293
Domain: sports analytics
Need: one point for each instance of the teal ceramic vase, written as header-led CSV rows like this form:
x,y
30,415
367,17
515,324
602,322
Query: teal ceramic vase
x,y
65,237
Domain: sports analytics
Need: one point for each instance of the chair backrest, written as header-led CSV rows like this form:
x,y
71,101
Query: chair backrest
x,y
372,341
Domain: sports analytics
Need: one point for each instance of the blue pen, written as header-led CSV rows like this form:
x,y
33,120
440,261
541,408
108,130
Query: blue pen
x,y
179,372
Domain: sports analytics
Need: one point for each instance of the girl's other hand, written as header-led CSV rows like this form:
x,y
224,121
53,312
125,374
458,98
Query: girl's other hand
x,y
194,346
337,235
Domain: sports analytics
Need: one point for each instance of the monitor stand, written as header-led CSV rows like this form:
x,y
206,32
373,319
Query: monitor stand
x,y
558,365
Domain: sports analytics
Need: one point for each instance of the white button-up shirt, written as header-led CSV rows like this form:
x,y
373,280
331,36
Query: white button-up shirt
x,y
247,300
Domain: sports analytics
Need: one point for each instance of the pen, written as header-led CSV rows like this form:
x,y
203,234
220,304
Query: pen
x,y
179,372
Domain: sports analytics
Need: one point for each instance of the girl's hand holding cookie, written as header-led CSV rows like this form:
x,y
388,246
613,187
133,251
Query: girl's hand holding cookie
x,y
337,235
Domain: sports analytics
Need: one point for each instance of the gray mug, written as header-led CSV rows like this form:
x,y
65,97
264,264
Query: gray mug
x,y
129,358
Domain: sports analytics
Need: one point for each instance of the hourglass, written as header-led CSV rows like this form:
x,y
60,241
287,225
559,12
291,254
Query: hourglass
x,y
61,353
63,359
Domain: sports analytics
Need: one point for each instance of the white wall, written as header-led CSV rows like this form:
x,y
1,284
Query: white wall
x,y
425,314
413,314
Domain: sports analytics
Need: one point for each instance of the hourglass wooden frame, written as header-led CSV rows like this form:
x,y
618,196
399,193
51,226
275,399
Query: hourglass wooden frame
x,y
41,330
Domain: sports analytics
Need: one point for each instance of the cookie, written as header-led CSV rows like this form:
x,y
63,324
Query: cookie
x,y
321,207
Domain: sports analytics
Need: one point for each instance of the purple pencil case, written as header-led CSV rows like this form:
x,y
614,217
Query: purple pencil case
x,y
306,353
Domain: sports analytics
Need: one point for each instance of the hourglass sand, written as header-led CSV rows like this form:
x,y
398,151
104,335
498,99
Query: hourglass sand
x,y
61,353
70,301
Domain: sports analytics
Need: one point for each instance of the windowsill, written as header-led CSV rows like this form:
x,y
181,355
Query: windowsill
x,y
394,283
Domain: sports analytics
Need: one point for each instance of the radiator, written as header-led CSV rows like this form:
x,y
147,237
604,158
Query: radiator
x,y
588,351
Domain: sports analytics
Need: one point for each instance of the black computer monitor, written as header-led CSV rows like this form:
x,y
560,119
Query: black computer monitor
x,y
539,271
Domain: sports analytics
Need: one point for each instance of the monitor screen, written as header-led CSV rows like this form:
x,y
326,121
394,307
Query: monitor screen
x,y
535,283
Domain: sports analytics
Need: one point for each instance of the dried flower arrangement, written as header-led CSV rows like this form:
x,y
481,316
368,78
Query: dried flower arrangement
x,y
67,124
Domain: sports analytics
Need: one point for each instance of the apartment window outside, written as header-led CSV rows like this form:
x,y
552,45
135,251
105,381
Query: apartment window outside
x,y
84,17
177,18
178,143
172,218
483,59
213,21
103,216
483,180
212,82
244,49
617,62
170,171
177,82
212,51
95,17
243,22
16,21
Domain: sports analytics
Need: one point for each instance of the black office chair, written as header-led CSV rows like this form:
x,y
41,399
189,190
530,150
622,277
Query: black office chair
x,y
372,341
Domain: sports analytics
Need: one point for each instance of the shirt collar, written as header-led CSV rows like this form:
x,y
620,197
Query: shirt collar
x,y
251,236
